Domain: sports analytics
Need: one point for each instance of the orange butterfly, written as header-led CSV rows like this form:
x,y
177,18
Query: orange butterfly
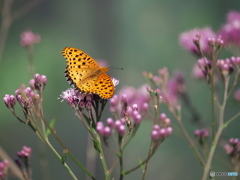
x,y
84,73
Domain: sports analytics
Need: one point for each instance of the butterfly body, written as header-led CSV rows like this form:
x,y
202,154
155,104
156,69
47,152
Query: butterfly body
x,y
85,74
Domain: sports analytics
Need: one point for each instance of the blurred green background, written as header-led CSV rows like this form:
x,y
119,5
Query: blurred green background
x,y
138,35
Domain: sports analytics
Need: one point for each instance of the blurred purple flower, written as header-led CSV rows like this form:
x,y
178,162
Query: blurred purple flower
x,y
25,152
137,97
230,31
202,133
175,87
186,39
198,72
237,95
29,38
228,149
3,169
225,66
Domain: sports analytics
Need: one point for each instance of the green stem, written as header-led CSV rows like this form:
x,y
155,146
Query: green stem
x,y
60,159
235,82
212,102
190,141
143,162
102,158
147,162
230,120
56,153
219,131
151,144
211,153
81,166
64,146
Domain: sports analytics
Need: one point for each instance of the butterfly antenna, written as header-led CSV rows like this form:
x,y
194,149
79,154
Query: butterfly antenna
x,y
116,68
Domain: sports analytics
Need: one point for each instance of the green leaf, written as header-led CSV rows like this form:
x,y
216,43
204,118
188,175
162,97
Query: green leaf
x,y
96,145
140,162
51,124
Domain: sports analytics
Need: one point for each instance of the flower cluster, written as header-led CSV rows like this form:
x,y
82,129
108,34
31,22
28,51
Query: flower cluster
x,y
171,87
163,129
23,161
130,96
9,101
230,31
3,169
25,152
225,66
29,38
187,39
131,116
233,148
233,151
77,99
29,98
201,135
38,83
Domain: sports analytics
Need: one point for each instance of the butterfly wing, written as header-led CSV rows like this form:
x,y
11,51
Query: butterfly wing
x,y
103,86
79,65
85,73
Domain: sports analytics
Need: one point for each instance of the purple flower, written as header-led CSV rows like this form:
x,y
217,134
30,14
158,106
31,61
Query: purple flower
x,y
3,167
73,97
120,126
110,122
137,118
237,95
163,130
107,131
121,129
233,149
198,72
29,38
25,152
155,135
186,40
175,87
27,97
163,116
113,103
202,133
234,141
169,131
38,82
100,128
230,31
164,120
9,101
228,149
225,66
235,61
137,97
